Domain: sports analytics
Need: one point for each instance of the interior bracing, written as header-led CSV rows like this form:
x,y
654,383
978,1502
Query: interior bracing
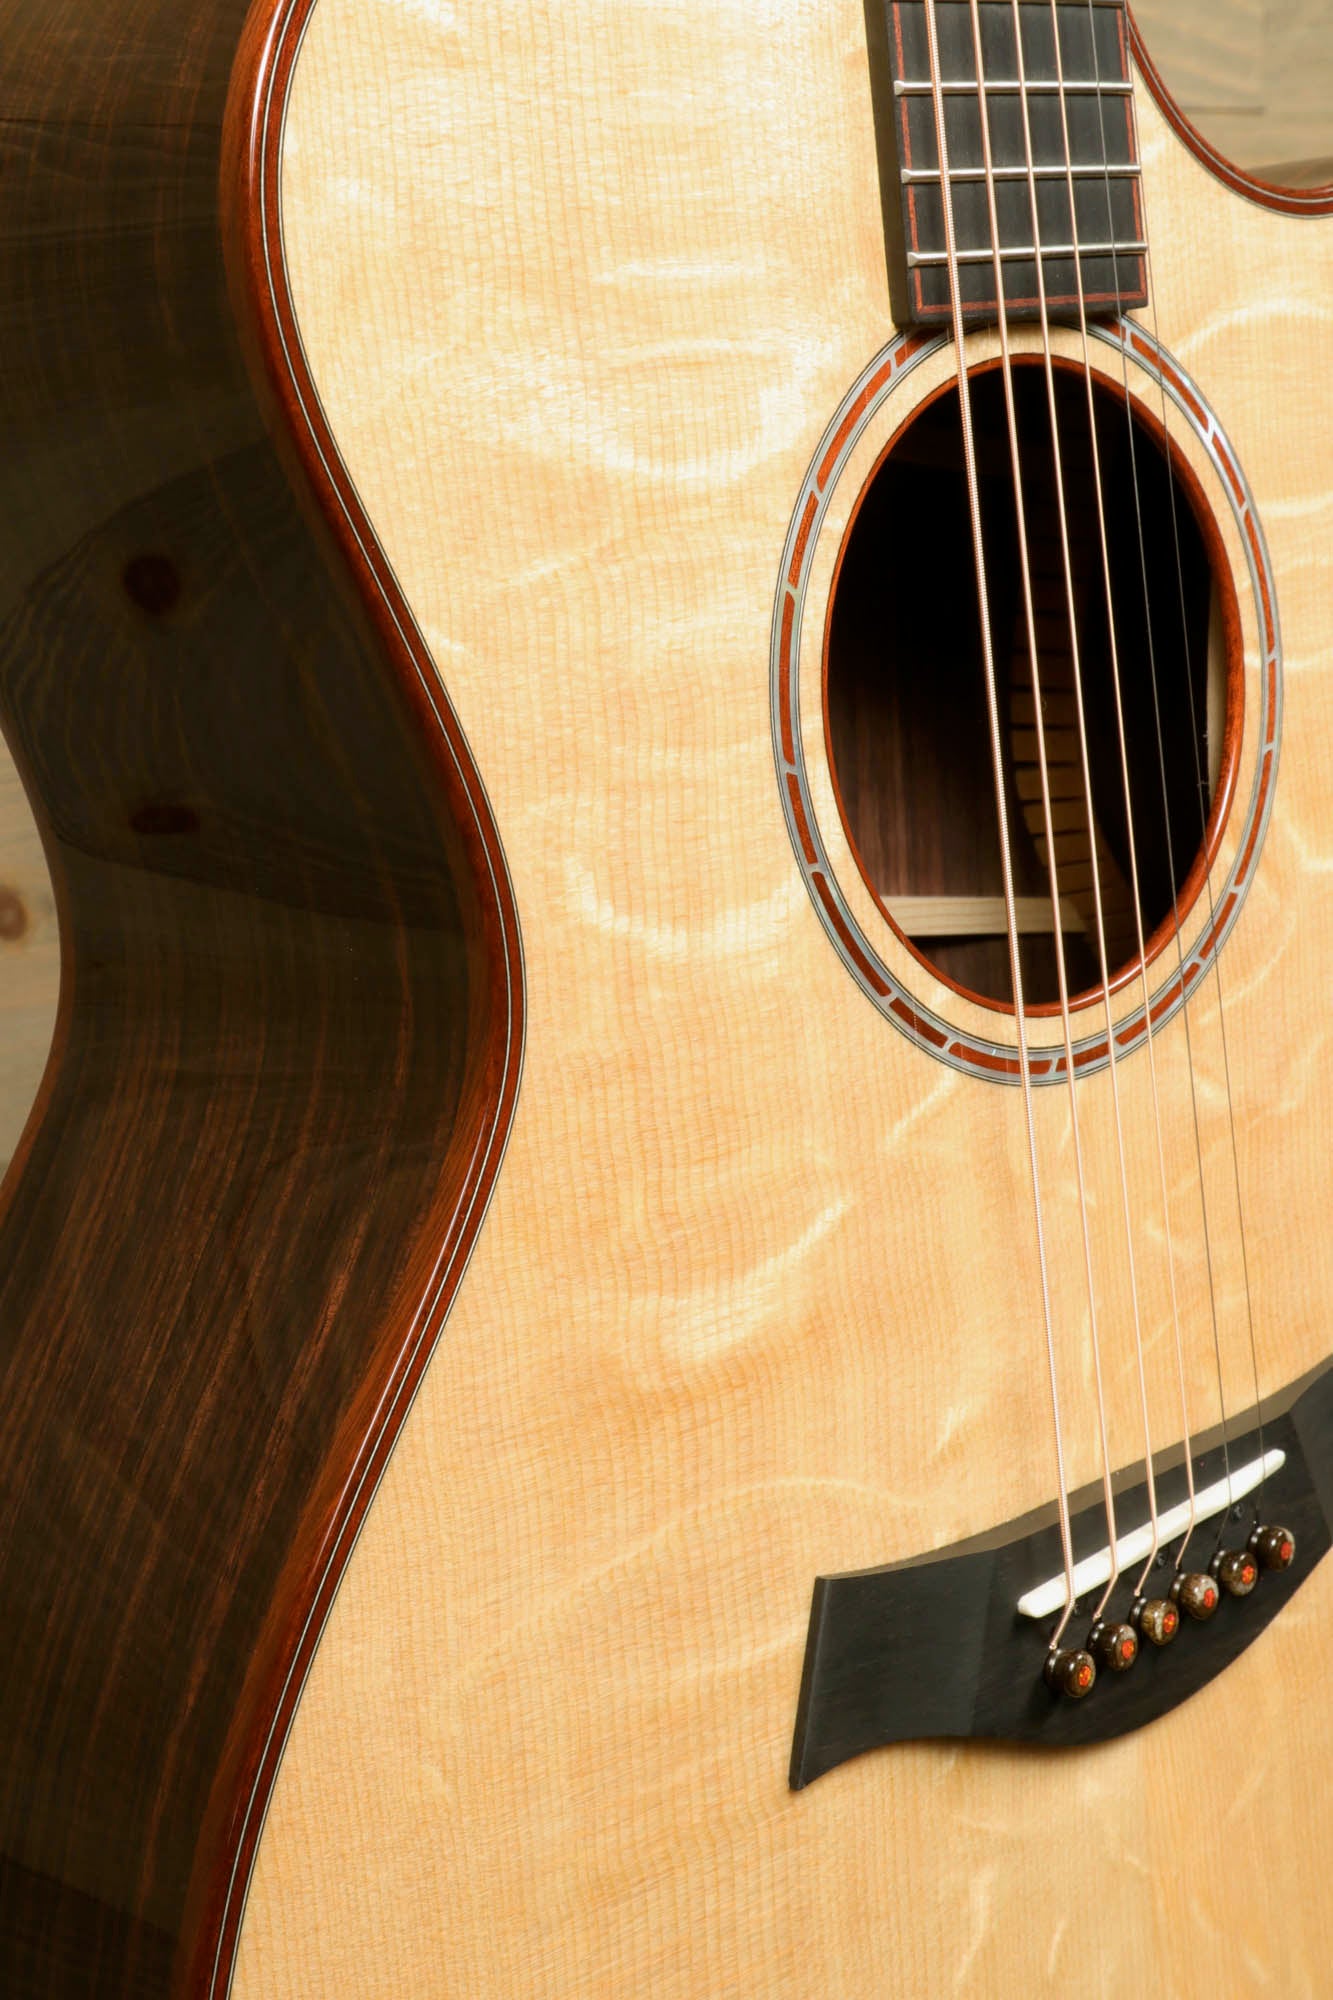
x,y
906,690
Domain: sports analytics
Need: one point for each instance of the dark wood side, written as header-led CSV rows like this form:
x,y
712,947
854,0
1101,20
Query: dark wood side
x,y
1301,197
291,1009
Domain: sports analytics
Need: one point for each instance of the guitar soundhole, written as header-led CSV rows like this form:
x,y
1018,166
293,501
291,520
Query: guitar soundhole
x,y
909,739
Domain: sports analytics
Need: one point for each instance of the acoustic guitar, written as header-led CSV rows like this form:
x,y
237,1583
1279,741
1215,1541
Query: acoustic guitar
x,y
674,663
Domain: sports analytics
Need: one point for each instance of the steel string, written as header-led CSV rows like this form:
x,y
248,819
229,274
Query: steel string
x,y
998,766
1025,572
1208,867
1185,996
1114,644
1083,745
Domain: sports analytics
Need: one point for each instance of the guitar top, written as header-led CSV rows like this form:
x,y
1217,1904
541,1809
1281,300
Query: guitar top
x,y
664,1308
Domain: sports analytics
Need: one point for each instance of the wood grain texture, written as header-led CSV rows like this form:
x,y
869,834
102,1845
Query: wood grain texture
x,y
870,1678
1213,59
290,1014
1256,77
581,289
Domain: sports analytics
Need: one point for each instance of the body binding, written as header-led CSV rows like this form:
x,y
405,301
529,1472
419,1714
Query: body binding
x,y
291,1009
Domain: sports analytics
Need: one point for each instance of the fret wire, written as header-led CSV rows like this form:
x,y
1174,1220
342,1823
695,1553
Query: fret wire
x,y
1018,253
1010,86
1093,171
908,87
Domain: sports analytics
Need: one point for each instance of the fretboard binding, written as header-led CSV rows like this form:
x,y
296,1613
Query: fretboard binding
x,y
1060,173
1012,86
1018,253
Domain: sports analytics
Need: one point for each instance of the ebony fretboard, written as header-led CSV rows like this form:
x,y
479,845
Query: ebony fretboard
x,y
1104,227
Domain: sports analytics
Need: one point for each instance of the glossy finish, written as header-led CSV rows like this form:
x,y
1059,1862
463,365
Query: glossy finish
x,y
1092,134
711,1343
290,1018
1285,200
932,1647
945,1031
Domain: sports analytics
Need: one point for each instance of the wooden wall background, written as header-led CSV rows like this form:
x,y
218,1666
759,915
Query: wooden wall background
x,y
1256,75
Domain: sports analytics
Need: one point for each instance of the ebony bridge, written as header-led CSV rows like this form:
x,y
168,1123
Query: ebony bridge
x,y
941,1646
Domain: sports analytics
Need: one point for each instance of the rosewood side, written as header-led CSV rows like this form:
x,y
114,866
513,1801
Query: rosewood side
x,y
290,1017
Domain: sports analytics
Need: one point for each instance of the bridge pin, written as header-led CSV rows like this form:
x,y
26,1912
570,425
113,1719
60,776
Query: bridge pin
x,y
1237,1570
1156,1618
1274,1547
1196,1593
1070,1672
1113,1646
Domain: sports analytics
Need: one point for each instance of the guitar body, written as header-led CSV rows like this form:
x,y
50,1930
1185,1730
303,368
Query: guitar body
x,y
754,1300
577,297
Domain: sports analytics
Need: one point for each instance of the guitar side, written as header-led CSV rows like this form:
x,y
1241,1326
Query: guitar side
x,y
750,1307
290,1021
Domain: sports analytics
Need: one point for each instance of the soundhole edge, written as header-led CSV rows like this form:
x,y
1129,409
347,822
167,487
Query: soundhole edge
x,y
908,736
916,1005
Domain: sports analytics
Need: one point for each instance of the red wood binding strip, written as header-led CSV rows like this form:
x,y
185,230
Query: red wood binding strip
x,y
250,216
1218,925
1175,380
917,1024
291,995
798,813
852,418
1095,1052
1247,854
1166,1000
802,537
1270,626
1233,481
863,965
983,1059
784,678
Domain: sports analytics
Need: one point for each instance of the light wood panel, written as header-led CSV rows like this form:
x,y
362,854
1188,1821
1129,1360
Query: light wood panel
x,y
29,958
978,916
581,289
1256,75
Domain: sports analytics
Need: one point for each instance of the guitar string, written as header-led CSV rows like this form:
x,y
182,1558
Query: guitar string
x,y
998,767
1029,612
1176,914
1098,489
1062,516
1202,794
